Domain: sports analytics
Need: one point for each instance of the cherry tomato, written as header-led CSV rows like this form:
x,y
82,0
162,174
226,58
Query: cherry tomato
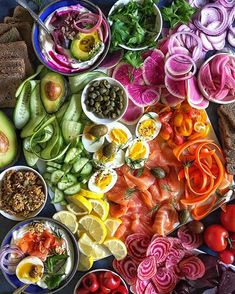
x,y
226,256
110,281
227,217
232,242
120,290
196,227
105,290
90,282
82,291
215,237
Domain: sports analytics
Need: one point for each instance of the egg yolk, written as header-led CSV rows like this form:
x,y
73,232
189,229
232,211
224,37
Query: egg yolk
x,y
137,151
103,180
27,271
101,158
118,136
147,128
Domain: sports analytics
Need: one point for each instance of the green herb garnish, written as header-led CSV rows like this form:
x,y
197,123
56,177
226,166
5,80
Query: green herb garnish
x,y
129,193
180,11
134,58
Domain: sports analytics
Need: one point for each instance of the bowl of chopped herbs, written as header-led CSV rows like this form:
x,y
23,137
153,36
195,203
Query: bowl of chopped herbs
x,y
135,24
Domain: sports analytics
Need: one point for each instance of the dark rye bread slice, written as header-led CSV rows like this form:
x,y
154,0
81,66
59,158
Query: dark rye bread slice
x,y
228,110
4,27
10,36
227,132
21,14
14,67
16,50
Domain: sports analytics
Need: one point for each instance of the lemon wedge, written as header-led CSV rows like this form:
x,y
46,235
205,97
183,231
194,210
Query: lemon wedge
x,y
100,207
85,263
94,227
68,219
81,202
76,209
90,194
117,248
112,225
89,248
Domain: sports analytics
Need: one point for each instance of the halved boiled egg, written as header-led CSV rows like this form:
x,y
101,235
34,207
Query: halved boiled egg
x,y
148,126
137,153
118,134
93,137
109,156
30,270
102,181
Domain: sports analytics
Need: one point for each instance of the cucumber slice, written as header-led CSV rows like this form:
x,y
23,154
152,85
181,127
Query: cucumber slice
x,y
71,154
62,186
36,107
73,189
79,164
84,179
47,176
44,135
71,130
63,202
69,178
50,169
56,176
32,126
60,113
58,197
66,168
53,164
74,109
30,157
87,169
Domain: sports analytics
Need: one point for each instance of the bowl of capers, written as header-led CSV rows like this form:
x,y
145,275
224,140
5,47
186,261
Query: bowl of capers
x,y
104,100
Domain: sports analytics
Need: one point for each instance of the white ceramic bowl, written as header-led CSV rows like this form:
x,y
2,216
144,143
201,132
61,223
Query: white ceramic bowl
x,y
96,271
93,117
158,23
34,213
226,100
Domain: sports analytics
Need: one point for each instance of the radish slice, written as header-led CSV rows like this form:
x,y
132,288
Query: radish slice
x,y
147,268
142,95
112,59
132,114
192,268
176,88
165,280
137,245
159,248
153,69
170,100
189,240
193,92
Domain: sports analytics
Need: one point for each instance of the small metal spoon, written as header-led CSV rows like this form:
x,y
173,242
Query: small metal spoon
x,y
20,290
34,15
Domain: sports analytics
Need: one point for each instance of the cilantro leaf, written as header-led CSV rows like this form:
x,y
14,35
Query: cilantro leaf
x,y
134,58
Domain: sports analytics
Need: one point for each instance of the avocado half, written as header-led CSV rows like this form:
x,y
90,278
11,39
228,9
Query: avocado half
x,y
53,91
8,142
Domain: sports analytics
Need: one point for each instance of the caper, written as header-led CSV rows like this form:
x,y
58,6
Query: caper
x,y
114,115
97,104
97,93
116,88
98,130
109,108
109,149
118,111
113,95
87,102
93,95
102,90
96,83
108,103
112,104
91,89
107,85
106,112
120,92
92,102
121,106
99,98
106,98
92,108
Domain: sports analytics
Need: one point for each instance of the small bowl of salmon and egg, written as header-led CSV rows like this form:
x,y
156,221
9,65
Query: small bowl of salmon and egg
x,y
113,145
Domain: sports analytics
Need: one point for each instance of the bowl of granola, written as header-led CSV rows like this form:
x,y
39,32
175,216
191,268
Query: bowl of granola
x,y
23,193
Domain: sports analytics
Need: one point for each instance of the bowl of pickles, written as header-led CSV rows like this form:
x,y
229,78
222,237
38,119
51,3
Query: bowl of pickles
x,y
104,100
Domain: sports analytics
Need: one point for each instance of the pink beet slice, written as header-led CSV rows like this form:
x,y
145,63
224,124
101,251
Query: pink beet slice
x,y
153,68
127,74
132,114
143,95
193,92
176,88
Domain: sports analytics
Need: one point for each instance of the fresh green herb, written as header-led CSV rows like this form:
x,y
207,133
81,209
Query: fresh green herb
x,y
56,232
140,172
129,193
158,172
133,164
54,270
134,58
39,3
180,11
133,25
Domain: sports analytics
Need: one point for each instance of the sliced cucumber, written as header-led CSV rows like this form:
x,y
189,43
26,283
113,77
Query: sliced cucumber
x,y
69,178
56,176
74,109
53,164
71,130
36,107
62,186
71,154
47,176
60,113
84,179
58,197
87,169
50,169
73,189
30,157
63,202
66,168
44,135
32,126
79,164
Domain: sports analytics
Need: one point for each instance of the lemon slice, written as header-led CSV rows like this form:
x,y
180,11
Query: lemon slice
x,y
89,248
90,194
117,248
68,219
85,263
76,209
81,202
94,227
112,225
100,207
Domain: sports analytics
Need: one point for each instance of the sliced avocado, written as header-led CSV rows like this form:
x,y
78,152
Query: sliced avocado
x,y
8,141
85,46
53,91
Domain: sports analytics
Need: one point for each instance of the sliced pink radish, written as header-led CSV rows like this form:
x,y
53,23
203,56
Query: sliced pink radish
x,y
143,95
112,59
127,74
153,69
132,114
176,88
193,92
171,100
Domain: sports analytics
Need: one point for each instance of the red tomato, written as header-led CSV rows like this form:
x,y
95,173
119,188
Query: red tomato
x,y
82,291
120,290
105,290
110,281
90,282
226,256
215,237
228,217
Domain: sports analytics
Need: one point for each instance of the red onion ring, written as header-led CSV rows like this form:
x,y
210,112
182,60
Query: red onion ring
x,y
227,3
221,28
5,263
89,20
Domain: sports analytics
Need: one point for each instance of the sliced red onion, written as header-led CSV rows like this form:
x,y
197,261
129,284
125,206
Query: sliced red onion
x,y
6,265
224,20
165,280
140,286
192,268
189,239
227,3
127,268
159,248
90,20
147,268
137,245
